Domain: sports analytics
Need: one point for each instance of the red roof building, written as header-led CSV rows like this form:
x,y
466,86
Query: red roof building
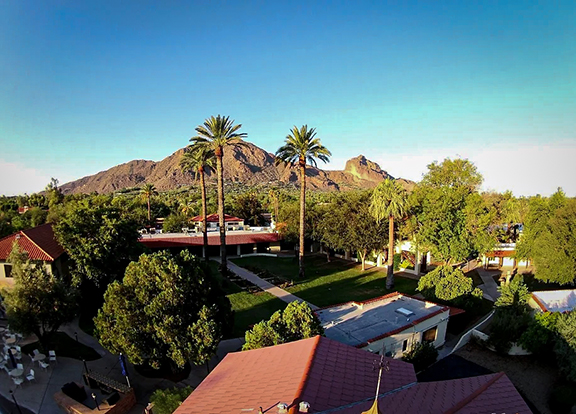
x,y
39,242
161,241
320,371
336,378
214,218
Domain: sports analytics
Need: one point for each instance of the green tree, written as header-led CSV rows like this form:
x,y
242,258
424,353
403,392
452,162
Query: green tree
x,y
217,133
389,202
422,355
39,302
174,223
200,159
167,401
540,335
515,293
148,191
549,238
450,219
248,206
565,347
302,146
99,238
448,284
54,193
154,292
295,322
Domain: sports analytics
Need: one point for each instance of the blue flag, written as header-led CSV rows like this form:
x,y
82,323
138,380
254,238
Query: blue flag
x,y
122,364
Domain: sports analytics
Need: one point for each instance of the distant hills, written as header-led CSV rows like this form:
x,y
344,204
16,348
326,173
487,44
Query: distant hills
x,y
246,164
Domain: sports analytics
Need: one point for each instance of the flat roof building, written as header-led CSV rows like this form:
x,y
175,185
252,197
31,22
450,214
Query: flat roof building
x,y
394,321
554,300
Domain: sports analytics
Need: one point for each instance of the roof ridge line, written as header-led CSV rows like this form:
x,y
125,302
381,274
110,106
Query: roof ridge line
x,y
466,400
300,390
36,244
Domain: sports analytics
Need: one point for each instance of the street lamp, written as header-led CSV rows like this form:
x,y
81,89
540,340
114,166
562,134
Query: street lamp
x,y
94,398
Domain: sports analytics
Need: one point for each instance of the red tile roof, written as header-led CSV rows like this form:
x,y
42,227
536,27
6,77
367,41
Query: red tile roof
x,y
155,242
214,218
323,372
493,393
39,242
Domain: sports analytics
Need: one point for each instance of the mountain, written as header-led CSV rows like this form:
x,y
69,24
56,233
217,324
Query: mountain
x,y
247,164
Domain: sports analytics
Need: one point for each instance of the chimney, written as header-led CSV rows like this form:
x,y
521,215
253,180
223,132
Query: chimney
x,y
282,408
304,407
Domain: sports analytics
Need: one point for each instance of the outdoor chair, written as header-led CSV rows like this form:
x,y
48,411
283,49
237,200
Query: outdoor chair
x,y
52,356
17,381
20,366
35,352
30,376
43,365
17,347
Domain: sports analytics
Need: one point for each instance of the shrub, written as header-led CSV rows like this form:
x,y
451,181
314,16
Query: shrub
x,y
422,355
397,261
174,223
540,334
508,325
167,401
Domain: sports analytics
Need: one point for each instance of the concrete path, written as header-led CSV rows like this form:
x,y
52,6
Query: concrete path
x,y
37,396
266,286
490,287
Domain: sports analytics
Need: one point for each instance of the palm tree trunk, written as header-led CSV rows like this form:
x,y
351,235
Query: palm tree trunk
x,y
148,199
224,265
390,274
302,217
204,214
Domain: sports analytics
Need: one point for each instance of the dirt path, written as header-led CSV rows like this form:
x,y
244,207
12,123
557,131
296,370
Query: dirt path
x,y
533,378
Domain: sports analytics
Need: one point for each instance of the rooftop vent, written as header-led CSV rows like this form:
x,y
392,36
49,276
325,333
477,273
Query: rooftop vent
x,y
282,408
304,407
404,311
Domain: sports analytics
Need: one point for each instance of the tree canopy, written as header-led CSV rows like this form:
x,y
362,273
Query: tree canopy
x,y
40,302
99,238
167,309
448,284
549,238
295,322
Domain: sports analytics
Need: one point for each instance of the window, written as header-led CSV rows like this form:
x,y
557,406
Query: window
x,y
404,345
430,334
8,270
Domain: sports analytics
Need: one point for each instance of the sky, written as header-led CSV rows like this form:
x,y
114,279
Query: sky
x,y
87,85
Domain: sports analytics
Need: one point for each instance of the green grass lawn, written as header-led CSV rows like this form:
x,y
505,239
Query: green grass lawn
x,y
64,346
330,283
249,308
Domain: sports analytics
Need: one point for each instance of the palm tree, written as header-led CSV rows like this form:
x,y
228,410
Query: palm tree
x,y
147,192
216,133
199,159
301,146
273,196
389,201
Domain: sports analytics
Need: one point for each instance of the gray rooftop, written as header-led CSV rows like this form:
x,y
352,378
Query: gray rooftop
x,y
557,300
356,323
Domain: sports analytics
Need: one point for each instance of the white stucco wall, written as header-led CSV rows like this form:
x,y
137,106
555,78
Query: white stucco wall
x,y
413,335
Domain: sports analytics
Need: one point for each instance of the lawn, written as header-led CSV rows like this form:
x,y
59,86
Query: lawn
x,y
330,283
249,308
65,346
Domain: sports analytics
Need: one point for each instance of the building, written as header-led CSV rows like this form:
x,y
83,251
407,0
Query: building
x,y
40,244
553,300
232,223
393,323
319,375
504,254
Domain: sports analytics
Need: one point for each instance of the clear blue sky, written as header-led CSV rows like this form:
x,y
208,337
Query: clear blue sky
x,y
86,85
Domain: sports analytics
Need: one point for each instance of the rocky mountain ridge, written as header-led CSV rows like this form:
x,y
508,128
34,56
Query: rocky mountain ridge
x,y
247,164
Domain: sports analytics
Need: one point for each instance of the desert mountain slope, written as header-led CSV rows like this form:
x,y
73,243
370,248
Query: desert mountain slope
x,y
247,164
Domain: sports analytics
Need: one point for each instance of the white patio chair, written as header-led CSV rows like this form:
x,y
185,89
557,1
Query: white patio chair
x,y
52,356
30,376
35,352
43,365
17,347
18,381
20,366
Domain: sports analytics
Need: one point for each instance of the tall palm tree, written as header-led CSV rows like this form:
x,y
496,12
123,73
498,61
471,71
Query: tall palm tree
x,y
301,145
216,133
389,201
147,191
200,159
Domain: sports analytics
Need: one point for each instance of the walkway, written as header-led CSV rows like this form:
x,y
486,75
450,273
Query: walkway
x,y
490,287
266,286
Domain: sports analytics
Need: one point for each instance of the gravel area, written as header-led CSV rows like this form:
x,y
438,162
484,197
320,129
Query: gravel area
x,y
532,377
